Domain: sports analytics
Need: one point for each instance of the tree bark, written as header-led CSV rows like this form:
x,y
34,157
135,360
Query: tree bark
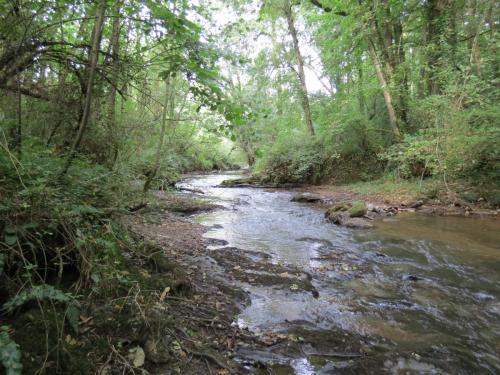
x,y
19,127
115,49
300,63
393,119
94,57
163,126
435,13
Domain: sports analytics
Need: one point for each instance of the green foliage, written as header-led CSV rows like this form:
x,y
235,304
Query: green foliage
x,y
295,161
10,355
414,157
57,224
38,292
458,144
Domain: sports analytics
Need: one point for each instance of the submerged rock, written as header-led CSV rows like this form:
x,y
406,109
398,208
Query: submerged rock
x,y
358,223
349,214
412,278
306,198
336,217
215,242
344,218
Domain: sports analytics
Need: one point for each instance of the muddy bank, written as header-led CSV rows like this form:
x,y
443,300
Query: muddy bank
x,y
196,334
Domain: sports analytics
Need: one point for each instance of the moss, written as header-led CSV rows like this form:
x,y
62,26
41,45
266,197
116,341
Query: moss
x,y
339,207
358,209
241,181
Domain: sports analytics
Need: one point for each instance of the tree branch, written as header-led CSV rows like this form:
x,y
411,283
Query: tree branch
x,y
328,9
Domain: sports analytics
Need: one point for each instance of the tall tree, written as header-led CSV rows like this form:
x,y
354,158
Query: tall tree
x,y
94,57
393,119
289,15
115,50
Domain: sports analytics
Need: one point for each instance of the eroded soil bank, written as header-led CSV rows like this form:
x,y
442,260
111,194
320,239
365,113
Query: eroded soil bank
x,y
164,310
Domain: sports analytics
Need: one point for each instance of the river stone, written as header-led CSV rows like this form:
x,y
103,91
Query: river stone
x,y
336,217
306,198
357,223
358,209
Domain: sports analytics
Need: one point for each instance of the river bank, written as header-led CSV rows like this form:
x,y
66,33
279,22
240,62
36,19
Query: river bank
x,y
226,280
157,312
423,196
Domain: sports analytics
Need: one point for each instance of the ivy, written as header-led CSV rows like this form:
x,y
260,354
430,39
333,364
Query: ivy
x,y
38,292
10,354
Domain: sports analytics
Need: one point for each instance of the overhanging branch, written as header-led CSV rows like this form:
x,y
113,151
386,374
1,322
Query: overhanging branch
x,y
328,9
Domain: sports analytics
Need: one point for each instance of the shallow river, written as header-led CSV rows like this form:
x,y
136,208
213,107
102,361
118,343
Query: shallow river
x,y
416,294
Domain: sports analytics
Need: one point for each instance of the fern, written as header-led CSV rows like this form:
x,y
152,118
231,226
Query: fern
x,y
10,355
38,292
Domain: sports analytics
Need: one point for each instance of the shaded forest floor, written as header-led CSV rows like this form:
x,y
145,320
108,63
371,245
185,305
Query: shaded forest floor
x,y
160,313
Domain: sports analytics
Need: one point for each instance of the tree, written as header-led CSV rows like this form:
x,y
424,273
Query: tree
x,y
94,56
288,12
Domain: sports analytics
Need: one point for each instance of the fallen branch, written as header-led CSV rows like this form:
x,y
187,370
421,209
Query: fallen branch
x,y
198,191
213,358
138,207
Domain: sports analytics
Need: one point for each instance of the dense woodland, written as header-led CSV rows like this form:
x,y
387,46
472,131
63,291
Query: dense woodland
x,y
103,101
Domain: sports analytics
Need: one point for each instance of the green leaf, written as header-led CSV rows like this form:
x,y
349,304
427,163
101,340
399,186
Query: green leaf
x,y
10,238
10,355
73,315
38,292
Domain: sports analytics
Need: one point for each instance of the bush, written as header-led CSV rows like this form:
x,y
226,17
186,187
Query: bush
x,y
290,160
455,144
56,229
414,157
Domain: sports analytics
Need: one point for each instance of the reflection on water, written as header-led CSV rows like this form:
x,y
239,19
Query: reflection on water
x,y
426,287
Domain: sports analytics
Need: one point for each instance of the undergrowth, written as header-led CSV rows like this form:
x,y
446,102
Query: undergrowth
x,y
58,240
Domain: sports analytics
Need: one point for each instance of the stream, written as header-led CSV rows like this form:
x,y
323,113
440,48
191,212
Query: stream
x,y
416,294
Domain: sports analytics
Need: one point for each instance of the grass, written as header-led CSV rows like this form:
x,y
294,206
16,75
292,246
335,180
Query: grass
x,y
392,186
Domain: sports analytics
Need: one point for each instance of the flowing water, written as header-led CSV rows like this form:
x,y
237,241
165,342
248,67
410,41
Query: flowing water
x,y
416,294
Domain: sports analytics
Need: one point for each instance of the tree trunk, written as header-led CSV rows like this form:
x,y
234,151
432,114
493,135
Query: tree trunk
x,y
300,63
361,94
435,13
18,138
115,49
163,126
94,57
393,120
